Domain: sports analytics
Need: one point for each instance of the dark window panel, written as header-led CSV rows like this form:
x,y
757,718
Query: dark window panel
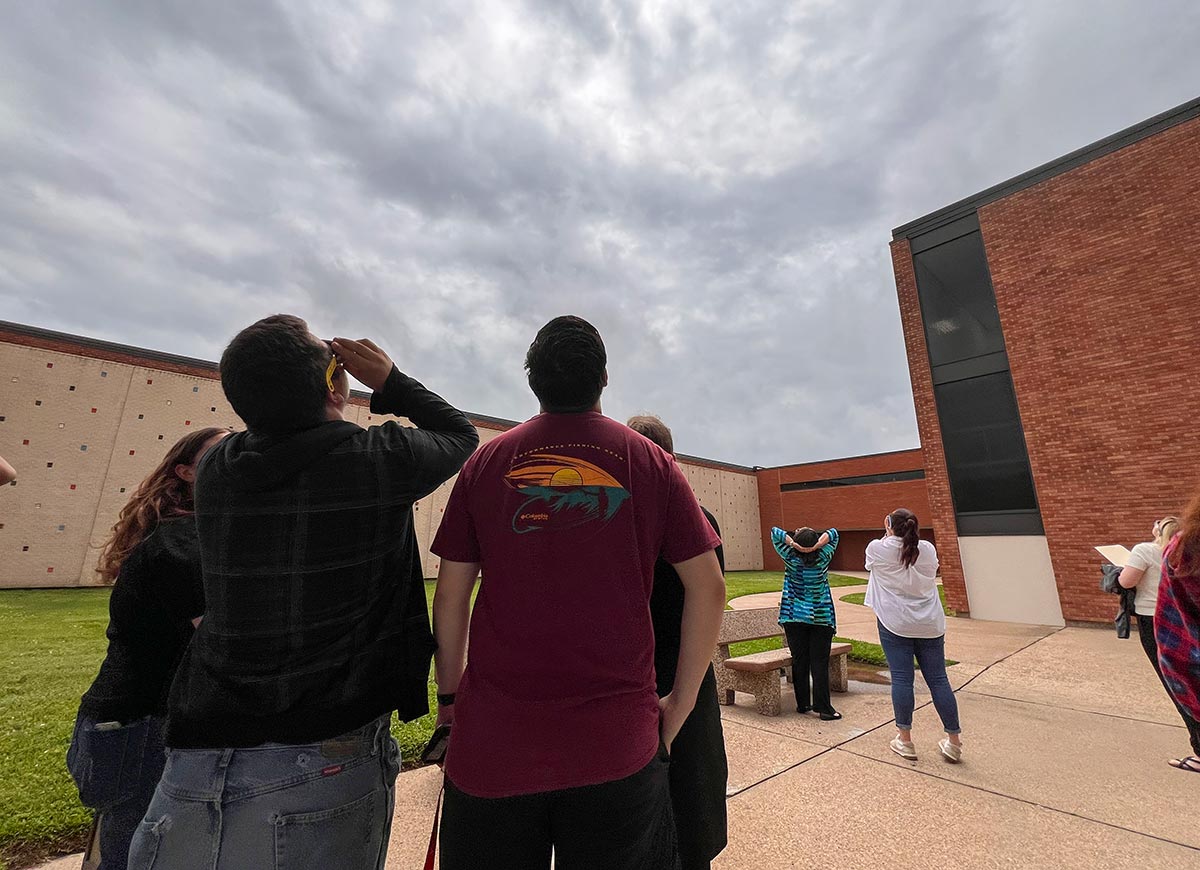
x,y
860,480
957,301
985,450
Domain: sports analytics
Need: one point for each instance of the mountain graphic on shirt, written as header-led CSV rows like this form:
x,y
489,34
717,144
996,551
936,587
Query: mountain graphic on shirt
x,y
563,492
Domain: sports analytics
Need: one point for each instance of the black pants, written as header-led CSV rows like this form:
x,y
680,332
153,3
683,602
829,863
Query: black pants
x,y
699,776
810,655
621,825
1150,645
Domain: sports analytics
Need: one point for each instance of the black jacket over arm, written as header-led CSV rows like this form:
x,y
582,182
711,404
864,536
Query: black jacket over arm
x,y
315,615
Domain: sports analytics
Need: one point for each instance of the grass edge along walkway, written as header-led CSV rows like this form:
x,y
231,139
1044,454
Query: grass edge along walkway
x,y
51,645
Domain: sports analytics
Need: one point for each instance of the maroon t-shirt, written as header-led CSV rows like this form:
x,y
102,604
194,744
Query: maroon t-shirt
x,y
567,514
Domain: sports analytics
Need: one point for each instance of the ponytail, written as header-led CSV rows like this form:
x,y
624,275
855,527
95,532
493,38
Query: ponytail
x,y
904,525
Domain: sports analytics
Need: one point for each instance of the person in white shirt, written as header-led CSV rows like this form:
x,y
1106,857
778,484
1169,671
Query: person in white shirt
x,y
1143,571
903,592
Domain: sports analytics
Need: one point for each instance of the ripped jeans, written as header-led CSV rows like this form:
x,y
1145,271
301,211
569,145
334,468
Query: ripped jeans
x,y
326,804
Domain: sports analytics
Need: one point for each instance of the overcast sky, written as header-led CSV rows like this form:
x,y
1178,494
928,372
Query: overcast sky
x,y
713,184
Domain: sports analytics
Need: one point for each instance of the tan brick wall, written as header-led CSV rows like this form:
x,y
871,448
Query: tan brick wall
x,y
80,465
1097,279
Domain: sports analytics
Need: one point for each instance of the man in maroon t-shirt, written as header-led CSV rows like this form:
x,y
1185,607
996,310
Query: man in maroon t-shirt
x,y
559,740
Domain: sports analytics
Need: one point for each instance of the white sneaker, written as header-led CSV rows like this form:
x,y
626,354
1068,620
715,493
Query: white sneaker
x,y
903,749
950,752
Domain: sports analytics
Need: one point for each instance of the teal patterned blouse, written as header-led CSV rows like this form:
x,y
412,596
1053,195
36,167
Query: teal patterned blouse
x,y
806,596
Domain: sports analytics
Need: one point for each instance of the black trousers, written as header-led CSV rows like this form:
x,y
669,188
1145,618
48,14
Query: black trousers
x,y
810,655
621,825
1150,645
699,776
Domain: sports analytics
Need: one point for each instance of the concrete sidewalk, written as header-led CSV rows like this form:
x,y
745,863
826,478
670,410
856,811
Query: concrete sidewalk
x,y
1066,731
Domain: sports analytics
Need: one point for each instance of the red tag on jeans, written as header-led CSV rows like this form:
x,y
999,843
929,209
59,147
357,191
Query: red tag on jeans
x,y
331,770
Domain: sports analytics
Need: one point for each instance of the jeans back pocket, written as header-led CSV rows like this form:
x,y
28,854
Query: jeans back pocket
x,y
348,836
107,764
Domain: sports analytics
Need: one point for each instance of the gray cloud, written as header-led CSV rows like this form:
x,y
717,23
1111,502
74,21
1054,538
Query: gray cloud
x,y
712,184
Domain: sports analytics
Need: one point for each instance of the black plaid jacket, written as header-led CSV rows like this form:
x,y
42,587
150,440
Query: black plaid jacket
x,y
315,616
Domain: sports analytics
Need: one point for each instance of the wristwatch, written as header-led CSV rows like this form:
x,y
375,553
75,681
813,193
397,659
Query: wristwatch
x,y
445,700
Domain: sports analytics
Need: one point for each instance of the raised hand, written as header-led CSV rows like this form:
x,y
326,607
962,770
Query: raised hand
x,y
364,360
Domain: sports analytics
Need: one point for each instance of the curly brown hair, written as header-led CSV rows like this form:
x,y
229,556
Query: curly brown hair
x,y
162,494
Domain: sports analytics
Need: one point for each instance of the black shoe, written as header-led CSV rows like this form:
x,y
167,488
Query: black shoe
x,y
805,709
831,716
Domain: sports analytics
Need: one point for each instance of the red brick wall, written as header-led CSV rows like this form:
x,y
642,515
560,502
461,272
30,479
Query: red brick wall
x,y
937,484
856,510
1097,278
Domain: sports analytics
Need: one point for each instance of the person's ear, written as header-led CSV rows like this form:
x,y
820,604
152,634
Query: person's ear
x,y
334,400
185,473
604,383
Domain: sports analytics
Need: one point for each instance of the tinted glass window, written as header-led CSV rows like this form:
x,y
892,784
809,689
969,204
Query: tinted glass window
x,y
985,448
957,302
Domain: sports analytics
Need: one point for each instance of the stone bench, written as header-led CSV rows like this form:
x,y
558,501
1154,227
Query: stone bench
x,y
758,673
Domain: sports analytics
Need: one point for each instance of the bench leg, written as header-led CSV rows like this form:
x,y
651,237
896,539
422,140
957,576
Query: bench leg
x,y
839,674
766,693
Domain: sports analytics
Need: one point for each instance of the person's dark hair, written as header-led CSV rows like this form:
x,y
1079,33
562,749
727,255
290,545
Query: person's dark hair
x,y
566,364
807,537
655,429
162,494
904,524
273,373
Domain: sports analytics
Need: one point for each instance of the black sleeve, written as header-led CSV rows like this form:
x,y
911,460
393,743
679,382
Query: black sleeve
x,y
431,454
171,569
712,521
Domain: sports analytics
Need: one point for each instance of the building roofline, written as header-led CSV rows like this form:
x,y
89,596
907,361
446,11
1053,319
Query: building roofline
x,y
714,463
1129,136
50,339
916,449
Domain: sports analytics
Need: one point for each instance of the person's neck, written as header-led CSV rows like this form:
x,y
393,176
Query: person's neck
x,y
595,408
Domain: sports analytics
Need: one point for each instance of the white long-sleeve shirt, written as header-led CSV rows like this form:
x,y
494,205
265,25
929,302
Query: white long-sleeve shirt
x,y
905,598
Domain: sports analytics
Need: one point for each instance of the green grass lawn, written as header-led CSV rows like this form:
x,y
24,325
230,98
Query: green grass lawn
x,y
738,583
51,645
858,597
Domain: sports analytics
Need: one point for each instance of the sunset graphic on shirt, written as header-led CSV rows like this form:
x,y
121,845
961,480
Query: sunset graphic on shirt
x,y
563,492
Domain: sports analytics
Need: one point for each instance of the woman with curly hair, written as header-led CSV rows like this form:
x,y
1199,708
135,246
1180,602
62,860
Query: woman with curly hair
x,y
152,558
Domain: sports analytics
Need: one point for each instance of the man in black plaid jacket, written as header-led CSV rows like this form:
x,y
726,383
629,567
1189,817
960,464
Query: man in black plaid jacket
x,y
315,625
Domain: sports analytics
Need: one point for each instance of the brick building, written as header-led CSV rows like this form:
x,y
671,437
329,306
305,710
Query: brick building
x,y
1053,326
851,495
84,421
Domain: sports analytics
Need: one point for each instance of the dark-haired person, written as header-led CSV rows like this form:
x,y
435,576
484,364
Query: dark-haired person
x,y
7,473
1143,572
902,590
315,626
1177,622
806,613
559,740
152,559
699,770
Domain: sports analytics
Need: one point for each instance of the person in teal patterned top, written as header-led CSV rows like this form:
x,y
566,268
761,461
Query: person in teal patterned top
x,y
806,613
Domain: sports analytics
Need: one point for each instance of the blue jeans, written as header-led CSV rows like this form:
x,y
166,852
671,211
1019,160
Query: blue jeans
x,y
281,806
930,652
116,771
